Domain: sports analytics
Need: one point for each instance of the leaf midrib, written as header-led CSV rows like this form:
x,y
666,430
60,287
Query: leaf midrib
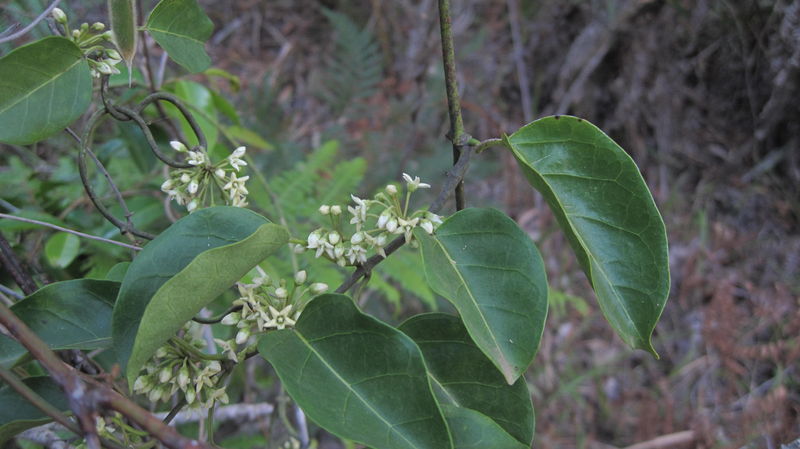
x,y
46,83
594,261
391,426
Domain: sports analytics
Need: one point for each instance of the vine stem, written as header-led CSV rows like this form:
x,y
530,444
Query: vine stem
x,y
71,231
457,134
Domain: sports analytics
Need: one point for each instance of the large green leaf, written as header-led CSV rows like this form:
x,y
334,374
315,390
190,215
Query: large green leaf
x,y
608,214
487,266
183,269
57,313
472,430
44,86
357,377
182,29
17,414
462,376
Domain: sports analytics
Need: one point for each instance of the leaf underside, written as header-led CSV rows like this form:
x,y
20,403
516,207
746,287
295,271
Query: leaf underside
x,y
357,377
608,214
183,269
482,262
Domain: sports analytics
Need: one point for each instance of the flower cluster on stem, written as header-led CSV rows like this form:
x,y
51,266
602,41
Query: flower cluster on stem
x,y
376,221
205,183
91,39
182,367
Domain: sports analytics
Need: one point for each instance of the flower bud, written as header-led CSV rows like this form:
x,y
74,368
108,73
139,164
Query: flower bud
x,y
193,186
167,185
183,376
391,225
214,367
298,249
319,288
76,34
300,277
177,146
185,178
191,206
113,54
231,319
325,209
338,251
281,293
383,219
58,15
427,226
336,210
391,189
165,375
190,396
98,27
220,173
334,237
141,384
242,336
357,238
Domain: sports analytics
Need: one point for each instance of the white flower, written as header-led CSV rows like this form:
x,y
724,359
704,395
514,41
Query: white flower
x,y
191,206
391,225
383,219
193,186
357,238
196,158
228,349
238,152
280,319
414,184
314,239
334,237
357,253
391,189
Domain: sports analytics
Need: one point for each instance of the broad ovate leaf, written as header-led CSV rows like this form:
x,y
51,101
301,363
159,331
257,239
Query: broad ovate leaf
x,y
357,377
472,430
464,377
17,414
182,28
44,86
182,270
482,262
57,313
608,214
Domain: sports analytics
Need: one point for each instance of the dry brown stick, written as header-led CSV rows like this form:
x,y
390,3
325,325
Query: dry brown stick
x,y
14,267
665,441
88,398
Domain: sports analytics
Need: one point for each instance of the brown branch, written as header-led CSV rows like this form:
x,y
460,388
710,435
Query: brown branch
x,y
14,267
87,397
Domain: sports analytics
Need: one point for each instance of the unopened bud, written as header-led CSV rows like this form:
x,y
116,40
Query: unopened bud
x,y
58,15
300,277
391,189
177,146
334,237
231,319
98,27
325,209
318,288
281,293
357,238
165,375
336,210
242,336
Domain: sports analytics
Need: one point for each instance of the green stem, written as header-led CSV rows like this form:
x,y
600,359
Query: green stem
x,y
457,134
196,352
486,144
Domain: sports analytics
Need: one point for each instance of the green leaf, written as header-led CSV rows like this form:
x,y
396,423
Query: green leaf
x,y
249,138
117,272
183,269
44,87
357,377
61,249
17,414
482,262
57,313
472,430
462,376
182,28
608,214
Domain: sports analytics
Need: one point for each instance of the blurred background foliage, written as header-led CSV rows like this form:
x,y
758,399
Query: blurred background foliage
x,y
334,97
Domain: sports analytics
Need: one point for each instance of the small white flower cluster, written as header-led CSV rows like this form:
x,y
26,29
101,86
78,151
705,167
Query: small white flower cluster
x,y
393,219
268,304
90,39
178,367
193,187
